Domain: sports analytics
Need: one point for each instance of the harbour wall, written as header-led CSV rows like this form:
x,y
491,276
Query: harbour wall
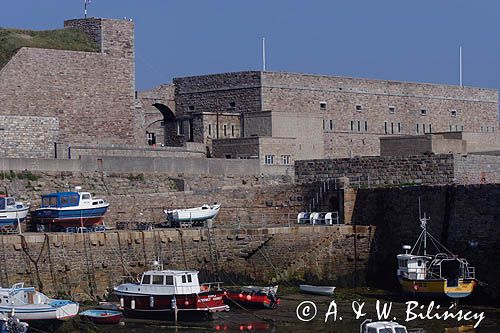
x,y
87,266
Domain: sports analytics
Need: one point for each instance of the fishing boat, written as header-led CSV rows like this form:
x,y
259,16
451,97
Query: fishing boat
x,y
254,296
29,305
381,327
12,212
12,324
197,214
317,290
441,273
70,209
167,294
109,317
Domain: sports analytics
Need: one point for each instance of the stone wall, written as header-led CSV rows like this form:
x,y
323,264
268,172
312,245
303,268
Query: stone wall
x,y
379,171
477,169
90,93
87,266
463,218
28,136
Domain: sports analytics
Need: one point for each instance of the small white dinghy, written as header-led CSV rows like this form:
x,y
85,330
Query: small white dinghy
x,y
196,214
317,290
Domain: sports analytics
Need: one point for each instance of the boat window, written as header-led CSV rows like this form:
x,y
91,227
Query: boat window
x,y
189,278
169,280
64,200
385,330
204,207
53,202
45,201
371,330
85,196
94,203
184,279
157,279
419,263
400,330
73,199
11,201
146,279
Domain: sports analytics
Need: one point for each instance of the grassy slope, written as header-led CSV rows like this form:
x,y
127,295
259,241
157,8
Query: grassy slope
x,y
11,40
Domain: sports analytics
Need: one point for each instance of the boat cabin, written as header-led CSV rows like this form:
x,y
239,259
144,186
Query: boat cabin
x,y
412,267
8,203
170,282
69,199
384,327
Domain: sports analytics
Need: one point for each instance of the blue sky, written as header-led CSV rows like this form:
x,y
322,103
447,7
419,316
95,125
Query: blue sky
x,y
393,39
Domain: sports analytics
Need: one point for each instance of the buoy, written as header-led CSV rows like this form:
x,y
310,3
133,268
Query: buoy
x,y
151,302
122,302
240,295
132,304
186,303
249,297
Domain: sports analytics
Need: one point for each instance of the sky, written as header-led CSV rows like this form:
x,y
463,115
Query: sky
x,y
385,39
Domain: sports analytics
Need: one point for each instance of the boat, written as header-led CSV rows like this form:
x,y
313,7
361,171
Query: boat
x,y
381,327
197,214
254,296
29,305
167,294
12,213
97,316
433,275
70,209
317,290
12,324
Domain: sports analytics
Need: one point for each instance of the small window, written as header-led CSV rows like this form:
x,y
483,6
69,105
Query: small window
x,y
180,127
225,130
352,125
359,108
430,128
359,126
399,127
53,201
331,125
462,128
385,127
184,279
285,159
324,127
366,126
482,129
189,278
453,113
146,279
423,112
423,128
162,124
418,129
64,200
209,129
46,201
232,105
191,108
451,128
322,105
269,159
392,109
392,127
85,196
419,262
232,131
169,280
157,279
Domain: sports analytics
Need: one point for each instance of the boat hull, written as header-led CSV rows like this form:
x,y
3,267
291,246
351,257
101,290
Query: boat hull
x,y
159,307
71,217
317,290
42,312
104,317
438,287
9,218
251,300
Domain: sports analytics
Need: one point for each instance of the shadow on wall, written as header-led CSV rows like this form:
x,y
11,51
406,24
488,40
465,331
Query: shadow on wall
x,y
464,218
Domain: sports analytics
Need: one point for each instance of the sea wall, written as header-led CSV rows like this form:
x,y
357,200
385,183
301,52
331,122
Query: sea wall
x,y
87,266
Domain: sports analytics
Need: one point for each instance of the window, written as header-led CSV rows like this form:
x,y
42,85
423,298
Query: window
x,y
184,279
392,127
481,128
392,109
232,131
225,130
423,128
189,278
85,196
157,279
462,128
146,279
73,199
331,125
169,280
399,127
450,128
64,200
359,108
285,159
151,137
352,125
385,127
453,113
324,124
430,128
423,112
418,129
322,105
232,105
53,201
209,129
366,126
180,127
45,201
162,124
191,108
269,159
359,126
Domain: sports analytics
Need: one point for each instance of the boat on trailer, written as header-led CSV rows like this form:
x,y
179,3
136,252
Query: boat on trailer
x,y
29,305
70,209
165,294
317,290
12,213
197,214
254,296
440,274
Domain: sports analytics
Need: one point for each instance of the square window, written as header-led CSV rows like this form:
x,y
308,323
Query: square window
x,y
322,105
232,105
392,109
191,108
359,108
269,159
423,112
453,113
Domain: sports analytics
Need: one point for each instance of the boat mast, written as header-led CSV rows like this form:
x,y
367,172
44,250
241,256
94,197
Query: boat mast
x,y
423,224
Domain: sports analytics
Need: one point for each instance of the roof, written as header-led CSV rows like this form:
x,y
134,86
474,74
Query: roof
x,y
61,194
384,324
170,272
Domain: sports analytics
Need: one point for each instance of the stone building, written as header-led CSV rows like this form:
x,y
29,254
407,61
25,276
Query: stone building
x,y
325,116
55,99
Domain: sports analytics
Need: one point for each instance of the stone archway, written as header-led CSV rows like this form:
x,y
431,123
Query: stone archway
x,y
169,125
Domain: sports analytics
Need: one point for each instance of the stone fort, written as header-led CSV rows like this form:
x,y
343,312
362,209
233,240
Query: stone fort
x,y
67,104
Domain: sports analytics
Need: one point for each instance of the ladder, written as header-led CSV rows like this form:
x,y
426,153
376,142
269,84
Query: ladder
x,y
214,254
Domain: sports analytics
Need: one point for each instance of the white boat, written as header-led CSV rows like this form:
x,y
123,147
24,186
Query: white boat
x,y
265,290
318,290
30,305
12,212
196,214
382,327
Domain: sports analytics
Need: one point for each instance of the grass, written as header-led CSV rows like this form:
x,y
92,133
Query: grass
x,y
11,40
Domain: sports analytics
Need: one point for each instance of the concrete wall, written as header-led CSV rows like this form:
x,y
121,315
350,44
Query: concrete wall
x,y
421,144
91,94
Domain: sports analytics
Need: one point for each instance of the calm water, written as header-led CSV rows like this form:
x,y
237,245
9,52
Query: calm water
x,y
284,319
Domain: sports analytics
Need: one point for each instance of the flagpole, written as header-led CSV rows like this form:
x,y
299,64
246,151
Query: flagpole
x,y
85,8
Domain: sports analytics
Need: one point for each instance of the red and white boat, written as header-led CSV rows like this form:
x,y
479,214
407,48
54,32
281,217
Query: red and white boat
x,y
255,297
163,294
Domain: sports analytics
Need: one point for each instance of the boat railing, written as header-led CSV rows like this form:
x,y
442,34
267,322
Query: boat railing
x,y
207,286
470,272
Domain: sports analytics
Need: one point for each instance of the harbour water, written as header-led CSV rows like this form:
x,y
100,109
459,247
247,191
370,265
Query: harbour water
x,y
284,319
